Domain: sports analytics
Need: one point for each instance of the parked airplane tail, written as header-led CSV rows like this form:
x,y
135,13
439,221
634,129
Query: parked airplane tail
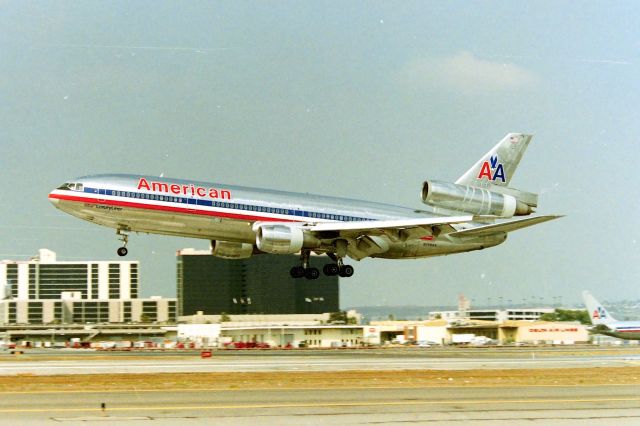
x,y
597,312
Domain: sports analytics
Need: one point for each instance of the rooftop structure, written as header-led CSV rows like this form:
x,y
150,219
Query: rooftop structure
x,y
515,314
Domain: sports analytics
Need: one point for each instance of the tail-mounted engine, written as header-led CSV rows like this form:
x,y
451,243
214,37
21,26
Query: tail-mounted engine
x,y
477,201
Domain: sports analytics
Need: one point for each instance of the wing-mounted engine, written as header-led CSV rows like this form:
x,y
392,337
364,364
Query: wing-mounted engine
x,y
283,239
496,201
231,250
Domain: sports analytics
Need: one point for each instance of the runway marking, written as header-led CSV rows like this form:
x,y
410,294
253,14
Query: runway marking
x,y
285,389
323,405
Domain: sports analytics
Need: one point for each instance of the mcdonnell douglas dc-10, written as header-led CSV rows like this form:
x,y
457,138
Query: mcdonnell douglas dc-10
x,y
241,222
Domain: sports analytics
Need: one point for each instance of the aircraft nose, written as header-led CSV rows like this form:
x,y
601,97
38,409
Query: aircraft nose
x,y
53,199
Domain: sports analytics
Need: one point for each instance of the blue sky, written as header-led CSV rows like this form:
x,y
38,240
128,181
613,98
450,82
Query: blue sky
x,y
364,100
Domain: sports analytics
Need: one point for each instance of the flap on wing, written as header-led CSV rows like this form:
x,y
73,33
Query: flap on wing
x,y
386,224
503,227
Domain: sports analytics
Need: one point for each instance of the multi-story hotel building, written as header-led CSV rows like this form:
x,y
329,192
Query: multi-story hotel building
x,y
43,277
43,291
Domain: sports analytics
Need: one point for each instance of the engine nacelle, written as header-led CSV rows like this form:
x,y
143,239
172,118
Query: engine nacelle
x,y
472,200
279,239
231,250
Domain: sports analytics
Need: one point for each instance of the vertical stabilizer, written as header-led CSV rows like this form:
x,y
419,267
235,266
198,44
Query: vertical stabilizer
x,y
497,166
597,312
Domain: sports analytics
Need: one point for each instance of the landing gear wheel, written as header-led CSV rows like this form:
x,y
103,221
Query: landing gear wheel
x,y
346,271
311,273
124,237
297,272
330,269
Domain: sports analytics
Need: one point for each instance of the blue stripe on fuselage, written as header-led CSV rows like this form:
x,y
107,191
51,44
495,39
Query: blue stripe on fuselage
x,y
223,204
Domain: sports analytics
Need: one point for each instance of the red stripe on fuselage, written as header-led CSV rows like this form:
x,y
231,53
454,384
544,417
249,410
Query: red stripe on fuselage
x,y
184,210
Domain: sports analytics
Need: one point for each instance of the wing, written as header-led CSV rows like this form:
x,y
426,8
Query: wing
x,y
398,228
502,227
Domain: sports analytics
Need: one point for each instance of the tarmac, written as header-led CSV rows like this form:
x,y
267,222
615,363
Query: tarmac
x,y
312,403
52,362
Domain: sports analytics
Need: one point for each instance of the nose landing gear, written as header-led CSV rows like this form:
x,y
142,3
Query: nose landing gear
x,y
124,237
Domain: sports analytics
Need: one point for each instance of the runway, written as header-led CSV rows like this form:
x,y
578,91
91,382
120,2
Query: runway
x,y
478,405
546,386
43,363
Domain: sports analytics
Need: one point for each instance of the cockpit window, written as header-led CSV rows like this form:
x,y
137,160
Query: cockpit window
x,y
66,186
71,186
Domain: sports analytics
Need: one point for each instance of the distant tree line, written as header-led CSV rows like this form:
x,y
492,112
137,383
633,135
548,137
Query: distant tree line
x,y
341,318
567,315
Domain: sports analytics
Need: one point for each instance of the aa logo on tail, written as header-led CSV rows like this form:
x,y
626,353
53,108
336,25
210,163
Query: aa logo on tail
x,y
599,313
492,170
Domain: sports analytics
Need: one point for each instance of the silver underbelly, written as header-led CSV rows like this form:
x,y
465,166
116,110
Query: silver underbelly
x,y
160,222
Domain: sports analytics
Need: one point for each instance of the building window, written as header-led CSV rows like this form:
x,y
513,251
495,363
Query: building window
x,y
56,278
12,279
134,280
149,311
34,314
114,281
94,281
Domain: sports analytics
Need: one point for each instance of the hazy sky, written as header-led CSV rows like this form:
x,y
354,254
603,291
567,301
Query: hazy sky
x,y
356,99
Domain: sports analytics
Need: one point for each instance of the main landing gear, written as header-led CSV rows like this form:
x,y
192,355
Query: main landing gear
x,y
305,270
330,269
338,268
124,237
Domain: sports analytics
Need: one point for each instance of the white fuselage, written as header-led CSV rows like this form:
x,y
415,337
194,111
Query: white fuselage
x,y
629,330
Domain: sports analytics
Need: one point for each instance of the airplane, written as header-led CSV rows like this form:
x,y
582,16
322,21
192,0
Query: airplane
x,y
605,324
241,222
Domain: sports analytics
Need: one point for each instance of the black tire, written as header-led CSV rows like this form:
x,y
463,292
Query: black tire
x,y
346,271
122,251
312,273
330,269
297,272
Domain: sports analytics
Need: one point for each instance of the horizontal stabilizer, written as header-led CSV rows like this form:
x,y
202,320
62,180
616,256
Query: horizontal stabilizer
x,y
503,227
